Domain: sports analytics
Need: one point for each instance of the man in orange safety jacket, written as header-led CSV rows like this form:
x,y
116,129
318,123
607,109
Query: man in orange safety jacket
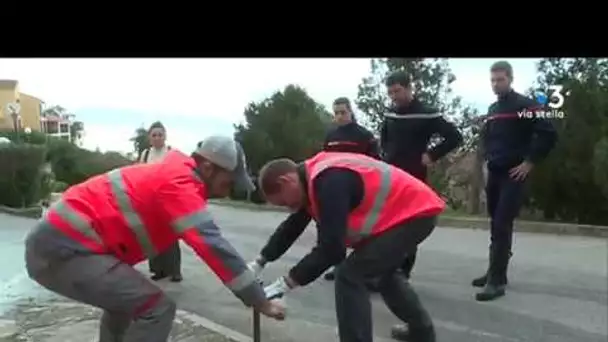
x,y
85,246
380,211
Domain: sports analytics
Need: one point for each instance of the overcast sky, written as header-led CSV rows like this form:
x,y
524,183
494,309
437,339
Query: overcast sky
x,y
198,97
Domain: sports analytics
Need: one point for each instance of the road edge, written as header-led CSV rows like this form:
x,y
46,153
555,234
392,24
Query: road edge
x,y
465,222
215,327
444,221
31,212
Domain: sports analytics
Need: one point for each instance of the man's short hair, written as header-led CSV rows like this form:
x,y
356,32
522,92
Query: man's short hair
x,y
270,173
502,66
343,101
398,77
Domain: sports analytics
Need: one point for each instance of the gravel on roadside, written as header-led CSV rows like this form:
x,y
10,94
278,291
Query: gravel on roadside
x,y
64,321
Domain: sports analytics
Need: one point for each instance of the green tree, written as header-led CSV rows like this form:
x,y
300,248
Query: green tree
x,y
571,184
140,141
287,124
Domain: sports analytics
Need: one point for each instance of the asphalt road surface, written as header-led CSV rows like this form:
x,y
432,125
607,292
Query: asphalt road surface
x,y
558,285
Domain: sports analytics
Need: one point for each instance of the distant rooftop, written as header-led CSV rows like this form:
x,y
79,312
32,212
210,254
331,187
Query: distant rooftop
x,y
8,83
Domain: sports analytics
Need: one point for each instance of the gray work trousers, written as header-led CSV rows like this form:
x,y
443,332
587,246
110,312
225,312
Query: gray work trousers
x,y
381,257
134,309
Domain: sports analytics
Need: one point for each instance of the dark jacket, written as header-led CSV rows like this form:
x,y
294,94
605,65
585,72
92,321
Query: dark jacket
x,y
406,133
352,138
510,138
338,192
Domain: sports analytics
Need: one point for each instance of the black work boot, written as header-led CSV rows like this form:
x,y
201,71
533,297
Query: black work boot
x,y
329,276
401,332
159,276
490,292
481,281
496,277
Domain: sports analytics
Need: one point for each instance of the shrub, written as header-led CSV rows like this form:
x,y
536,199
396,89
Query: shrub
x,y
59,186
74,165
20,174
35,138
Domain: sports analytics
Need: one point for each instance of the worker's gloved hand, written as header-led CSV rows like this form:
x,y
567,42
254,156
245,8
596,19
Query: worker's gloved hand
x,y
277,289
256,266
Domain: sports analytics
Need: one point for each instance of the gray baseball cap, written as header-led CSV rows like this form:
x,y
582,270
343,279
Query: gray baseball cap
x,y
228,154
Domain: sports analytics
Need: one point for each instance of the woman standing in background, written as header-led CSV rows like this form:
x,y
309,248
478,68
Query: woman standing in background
x,y
167,264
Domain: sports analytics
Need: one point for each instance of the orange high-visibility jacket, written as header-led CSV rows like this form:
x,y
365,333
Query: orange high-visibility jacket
x,y
138,211
391,195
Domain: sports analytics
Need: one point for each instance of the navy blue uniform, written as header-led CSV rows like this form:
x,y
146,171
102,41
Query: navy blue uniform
x,y
352,138
508,140
406,133
405,136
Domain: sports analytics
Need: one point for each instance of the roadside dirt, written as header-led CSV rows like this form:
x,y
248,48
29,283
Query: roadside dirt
x,y
63,321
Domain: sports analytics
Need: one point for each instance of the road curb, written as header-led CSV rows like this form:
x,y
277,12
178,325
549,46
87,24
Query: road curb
x,y
468,222
32,212
218,328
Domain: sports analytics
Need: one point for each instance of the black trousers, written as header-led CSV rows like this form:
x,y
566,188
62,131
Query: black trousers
x,y
169,263
409,263
504,200
380,258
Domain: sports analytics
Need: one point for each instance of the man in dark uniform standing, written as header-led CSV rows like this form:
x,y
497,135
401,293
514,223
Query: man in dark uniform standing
x,y
406,132
405,136
513,143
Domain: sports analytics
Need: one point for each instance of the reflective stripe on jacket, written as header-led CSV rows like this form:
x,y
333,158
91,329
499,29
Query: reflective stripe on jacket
x,y
391,195
138,211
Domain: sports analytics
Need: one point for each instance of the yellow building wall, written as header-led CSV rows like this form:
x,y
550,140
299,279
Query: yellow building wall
x,y
30,111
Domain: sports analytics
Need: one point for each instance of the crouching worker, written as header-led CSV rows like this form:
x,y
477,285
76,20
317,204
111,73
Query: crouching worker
x,y
87,244
380,211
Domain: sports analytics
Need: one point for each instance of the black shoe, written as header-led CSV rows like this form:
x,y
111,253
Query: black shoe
x,y
491,292
481,281
373,286
329,276
158,276
402,333
176,278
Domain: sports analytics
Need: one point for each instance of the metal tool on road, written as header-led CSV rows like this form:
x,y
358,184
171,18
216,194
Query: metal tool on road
x,y
257,322
257,326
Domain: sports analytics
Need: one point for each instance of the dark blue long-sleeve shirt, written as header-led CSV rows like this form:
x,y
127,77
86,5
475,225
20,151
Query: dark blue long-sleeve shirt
x,y
352,138
509,137
407,131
